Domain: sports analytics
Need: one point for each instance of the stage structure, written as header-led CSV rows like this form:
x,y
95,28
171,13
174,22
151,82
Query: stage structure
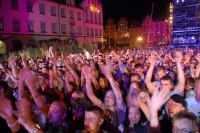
x,y
186,23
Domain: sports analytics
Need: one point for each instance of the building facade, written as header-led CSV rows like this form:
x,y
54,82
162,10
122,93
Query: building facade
x,y
155,33
110,32
122,32
37,20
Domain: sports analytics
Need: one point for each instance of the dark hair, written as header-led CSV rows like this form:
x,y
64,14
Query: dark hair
x,y
166,77
190,81
188,116
96,110
136,74
138,65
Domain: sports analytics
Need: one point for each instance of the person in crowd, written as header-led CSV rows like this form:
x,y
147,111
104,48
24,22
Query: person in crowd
x,y
127,88
93,120
193,103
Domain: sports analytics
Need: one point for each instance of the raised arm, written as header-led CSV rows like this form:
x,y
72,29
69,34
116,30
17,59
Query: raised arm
x,y
155,103
12,62
181,77
197,71
56,76
30,80
74,74
88,76
106,70
150,86
6,112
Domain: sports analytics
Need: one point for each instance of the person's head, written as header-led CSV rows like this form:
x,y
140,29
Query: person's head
x,y
139,69
197,88
161,72
93,119
110,99
185,123
101,63
134,115
42,79
189,83
44,70
166,82
115,66
57,112
103,82
135,77
125,78
135,85
175,104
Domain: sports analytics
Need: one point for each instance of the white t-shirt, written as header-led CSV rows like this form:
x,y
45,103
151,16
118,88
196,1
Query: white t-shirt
x,y
193,106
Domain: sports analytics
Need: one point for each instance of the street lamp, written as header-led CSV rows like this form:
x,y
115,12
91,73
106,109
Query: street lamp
x,y
94,9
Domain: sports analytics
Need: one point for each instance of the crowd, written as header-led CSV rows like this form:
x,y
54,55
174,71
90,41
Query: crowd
x,y
118,91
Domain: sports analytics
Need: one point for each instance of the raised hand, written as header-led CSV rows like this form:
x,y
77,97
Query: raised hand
x,y
23,113
197,57
153,59
6,110
178,56
142,97
53,60
106,70
87,71
158,99
12,59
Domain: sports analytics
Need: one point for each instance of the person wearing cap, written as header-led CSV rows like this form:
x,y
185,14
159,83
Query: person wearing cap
x,y
175,104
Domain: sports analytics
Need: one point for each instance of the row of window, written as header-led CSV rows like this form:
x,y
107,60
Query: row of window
x,y
54,27
90,16
42,9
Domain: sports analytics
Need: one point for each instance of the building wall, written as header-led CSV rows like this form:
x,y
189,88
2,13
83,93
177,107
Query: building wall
x,y
8,15
122,32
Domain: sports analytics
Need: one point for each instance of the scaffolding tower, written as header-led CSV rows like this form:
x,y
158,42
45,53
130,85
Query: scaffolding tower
x,y
186,23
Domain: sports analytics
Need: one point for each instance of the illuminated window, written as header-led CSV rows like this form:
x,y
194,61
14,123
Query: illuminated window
x,y
79,30
31,26
87,31
29,6
42,8
16,25
92,31
72,28
54,27
63,28
53,11
96,32
79,15
62,12
14,4
71,14
43,27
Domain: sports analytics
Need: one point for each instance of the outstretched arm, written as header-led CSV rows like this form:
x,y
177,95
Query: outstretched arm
x,y
149,84
155,103
106,70
181,77
87,72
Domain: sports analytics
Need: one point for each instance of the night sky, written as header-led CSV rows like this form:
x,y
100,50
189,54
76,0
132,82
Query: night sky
x,y
134,9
